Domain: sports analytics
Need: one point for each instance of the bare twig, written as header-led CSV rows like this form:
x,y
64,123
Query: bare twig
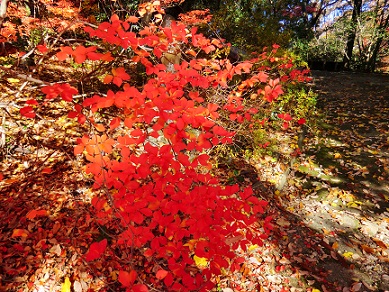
x,y
24,76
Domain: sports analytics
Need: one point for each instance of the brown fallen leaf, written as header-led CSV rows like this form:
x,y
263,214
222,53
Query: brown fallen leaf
x,y
383,259
367,249
379,243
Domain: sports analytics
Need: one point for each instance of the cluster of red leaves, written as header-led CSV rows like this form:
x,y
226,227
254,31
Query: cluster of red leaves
x,y
170,209
63,15
196,17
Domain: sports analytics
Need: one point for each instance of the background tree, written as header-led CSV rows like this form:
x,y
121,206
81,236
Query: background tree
x,y
357,9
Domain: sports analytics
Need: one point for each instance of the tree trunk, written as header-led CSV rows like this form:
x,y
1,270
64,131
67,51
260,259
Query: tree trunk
x,y
351,37
3,9
373,59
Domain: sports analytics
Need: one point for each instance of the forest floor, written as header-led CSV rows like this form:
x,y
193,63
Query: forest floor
x,y
331,219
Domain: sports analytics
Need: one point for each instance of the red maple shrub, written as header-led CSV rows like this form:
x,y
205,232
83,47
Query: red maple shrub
x,y
176,226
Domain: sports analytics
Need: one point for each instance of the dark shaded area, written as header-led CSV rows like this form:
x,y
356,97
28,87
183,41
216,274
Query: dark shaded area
x,y
326,65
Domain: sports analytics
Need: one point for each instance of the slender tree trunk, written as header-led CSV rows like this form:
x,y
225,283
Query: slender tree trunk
x,y
351,37
373,59
3,9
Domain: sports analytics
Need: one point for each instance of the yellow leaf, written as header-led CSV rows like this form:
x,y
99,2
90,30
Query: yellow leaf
x,y
252,247
337,155
352,204
348,254
13,80
66,285
315,290
200,262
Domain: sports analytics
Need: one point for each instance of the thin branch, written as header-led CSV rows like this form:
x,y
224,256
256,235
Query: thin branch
x,y
25,77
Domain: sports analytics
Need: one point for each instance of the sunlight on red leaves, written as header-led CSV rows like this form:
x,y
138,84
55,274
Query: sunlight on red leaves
x,y
161,274
127,279
118,76
64,90
96,250
182,222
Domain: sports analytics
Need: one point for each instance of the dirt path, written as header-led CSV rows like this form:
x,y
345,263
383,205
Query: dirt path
x,y
344,185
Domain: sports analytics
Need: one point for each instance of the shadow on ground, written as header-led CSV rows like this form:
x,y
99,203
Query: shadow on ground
x,y
343,181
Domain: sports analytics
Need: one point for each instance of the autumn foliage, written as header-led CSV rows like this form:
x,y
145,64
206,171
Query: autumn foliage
x,y
172,224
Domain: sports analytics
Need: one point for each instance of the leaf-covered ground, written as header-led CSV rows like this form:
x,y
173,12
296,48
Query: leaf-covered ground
x,y
331,217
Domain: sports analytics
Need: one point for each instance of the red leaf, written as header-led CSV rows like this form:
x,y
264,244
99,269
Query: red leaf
x,y
42,48
203,159
64,90
137,217
50,91
127,278
96,250
79,54
65,52
132,19
262,76
107,79
72,114
114,123
47,170
161,274
67,92
148,253
301,121
32,102
36,213
27,112
114,18
285,117
140,288
168,280
217,130
117,81
121,73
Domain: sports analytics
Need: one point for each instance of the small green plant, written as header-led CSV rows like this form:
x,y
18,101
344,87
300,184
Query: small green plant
x,y
300,102
262,143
